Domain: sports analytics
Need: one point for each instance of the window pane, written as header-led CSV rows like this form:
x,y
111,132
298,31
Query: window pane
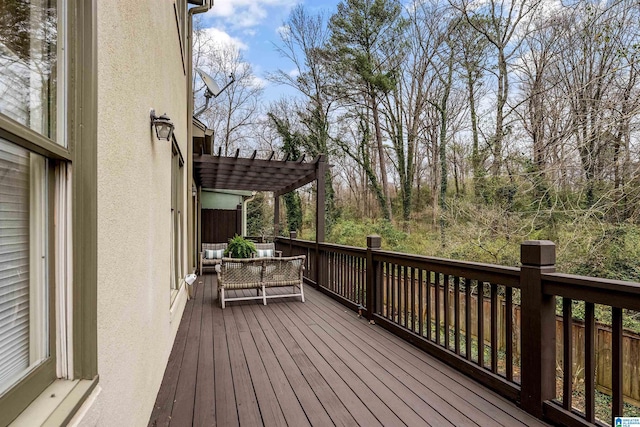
x,y
29,63
24,313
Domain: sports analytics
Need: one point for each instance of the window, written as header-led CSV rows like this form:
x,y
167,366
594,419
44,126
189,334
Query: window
x,y
38,203
30,48
30,72
177,184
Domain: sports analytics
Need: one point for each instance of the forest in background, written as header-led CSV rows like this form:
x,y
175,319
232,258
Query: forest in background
x,y
455,128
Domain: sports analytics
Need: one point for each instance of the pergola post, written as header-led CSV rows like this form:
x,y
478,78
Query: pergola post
x,y
276,214
321,168
321,171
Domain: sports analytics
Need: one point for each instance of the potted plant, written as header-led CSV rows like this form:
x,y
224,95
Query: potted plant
x,y
239,247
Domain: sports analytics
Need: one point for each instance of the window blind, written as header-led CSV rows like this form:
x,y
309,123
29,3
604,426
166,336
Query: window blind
x,y
23,282
14,262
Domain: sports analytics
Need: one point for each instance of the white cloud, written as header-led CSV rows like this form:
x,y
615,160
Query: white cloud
x,y
246,13
259,82
283,31
219,37
294,73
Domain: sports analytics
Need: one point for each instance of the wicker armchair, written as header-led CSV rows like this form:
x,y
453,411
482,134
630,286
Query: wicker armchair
x,y
211,262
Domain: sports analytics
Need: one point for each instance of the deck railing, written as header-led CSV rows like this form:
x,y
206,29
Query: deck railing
x,y
473,315
615,296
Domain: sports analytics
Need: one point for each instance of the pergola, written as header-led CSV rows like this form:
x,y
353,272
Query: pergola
x,y
214,171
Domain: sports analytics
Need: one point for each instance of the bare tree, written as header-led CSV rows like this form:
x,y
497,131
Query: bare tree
x,y
235,111
365,39
504,25
303,37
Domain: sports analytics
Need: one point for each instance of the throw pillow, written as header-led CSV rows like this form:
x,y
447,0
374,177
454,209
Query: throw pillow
x,y
213,254
265,253
217,254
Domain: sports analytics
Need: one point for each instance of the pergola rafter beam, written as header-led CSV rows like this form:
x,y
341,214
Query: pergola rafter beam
x,y
272,175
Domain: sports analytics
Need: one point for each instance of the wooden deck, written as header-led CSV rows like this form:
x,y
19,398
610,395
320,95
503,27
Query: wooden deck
x,y
295,364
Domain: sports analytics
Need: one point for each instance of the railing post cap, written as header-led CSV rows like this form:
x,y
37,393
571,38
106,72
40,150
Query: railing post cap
x,y
293,234
374,241
538,252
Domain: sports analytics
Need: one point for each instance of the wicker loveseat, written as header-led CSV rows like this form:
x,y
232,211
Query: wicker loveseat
x,y
260,274
216,255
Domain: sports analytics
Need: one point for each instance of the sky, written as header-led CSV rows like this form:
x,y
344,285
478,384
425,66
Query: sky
x,y
252,25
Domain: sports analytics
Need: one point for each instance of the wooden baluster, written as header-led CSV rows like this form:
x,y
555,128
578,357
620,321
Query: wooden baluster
x,y
389,280
421,305
456,312
428,318
447,312
394,291
509,331
589,362
405,301
467,325
494,328
567,353
616,363
412,280
480,323
437,283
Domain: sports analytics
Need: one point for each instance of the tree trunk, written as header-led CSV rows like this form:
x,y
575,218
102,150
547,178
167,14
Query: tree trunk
x,y
386,205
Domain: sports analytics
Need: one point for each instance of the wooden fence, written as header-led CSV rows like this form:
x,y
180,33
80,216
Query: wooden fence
x,y
603,355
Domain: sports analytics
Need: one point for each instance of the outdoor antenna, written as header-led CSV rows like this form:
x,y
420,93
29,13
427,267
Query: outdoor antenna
x,y
212,91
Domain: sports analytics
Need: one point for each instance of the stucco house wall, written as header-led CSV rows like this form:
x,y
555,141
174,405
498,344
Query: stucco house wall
x,y
139,67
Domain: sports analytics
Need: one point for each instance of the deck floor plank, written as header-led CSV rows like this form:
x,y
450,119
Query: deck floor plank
x,y
291,407
311,404
248,409
336,371
352,400
438,398
316,363
464,387
204,411
331,403
182,413
267,401
225,400
366,369
161,414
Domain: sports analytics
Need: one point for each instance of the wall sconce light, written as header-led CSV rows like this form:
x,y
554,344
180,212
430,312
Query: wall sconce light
x,y
163,125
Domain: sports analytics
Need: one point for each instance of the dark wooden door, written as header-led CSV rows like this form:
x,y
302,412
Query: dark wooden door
x,y
219,225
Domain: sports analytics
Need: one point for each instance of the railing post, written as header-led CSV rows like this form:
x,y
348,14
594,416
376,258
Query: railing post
x,y
373,243
292,235
538,318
